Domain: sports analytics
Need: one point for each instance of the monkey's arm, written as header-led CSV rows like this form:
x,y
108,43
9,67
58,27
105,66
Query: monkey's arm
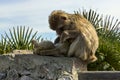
x,y
69,35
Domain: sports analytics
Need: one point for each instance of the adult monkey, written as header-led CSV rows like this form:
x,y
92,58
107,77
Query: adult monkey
x,y
86,43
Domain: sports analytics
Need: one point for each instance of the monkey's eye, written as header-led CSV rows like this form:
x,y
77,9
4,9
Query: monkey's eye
x,y
63,17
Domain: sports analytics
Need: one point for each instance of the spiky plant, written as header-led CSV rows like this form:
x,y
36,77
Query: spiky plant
x,y
108,31
20,37
4,46
109,43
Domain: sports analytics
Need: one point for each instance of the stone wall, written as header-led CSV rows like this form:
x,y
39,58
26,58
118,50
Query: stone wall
x,y
35,67
99,75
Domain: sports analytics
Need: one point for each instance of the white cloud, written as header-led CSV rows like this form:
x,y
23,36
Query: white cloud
x,y
35,13
31,7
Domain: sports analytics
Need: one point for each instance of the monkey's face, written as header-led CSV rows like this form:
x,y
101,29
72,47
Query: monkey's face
x,y
60,21
64,23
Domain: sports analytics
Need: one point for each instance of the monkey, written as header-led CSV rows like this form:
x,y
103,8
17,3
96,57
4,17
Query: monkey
x,y
48,48
75,46
60,48
75,41
82,52
43,45
86,43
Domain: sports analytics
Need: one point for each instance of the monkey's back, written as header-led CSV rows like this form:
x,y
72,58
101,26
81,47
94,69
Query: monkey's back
x,y
87,42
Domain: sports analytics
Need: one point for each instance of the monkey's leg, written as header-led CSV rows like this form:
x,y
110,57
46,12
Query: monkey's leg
x,y
73,47
51,52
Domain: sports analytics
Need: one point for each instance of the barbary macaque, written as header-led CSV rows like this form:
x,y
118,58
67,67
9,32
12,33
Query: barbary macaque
x,y
85,44
48,48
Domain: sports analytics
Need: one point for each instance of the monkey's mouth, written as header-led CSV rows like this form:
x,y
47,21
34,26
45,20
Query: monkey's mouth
x,y
60,29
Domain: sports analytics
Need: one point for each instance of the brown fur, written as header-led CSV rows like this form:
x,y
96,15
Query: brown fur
x,y
47,48
85,44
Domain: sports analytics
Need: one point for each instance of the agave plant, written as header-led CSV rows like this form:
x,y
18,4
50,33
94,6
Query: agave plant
x,y
4,46
108,31
20,37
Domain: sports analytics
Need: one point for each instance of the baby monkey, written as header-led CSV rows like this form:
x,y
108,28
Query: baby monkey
x,y
48,48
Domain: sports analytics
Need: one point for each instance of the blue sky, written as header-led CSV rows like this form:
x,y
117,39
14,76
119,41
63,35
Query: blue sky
x,y
34,13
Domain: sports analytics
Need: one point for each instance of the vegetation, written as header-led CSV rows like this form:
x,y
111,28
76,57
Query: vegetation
x,y
17,38
4,46
108,30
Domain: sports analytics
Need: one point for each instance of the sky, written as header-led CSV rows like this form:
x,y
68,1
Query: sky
x,y
34,13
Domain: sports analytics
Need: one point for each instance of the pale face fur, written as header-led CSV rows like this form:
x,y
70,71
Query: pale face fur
x,y
59,21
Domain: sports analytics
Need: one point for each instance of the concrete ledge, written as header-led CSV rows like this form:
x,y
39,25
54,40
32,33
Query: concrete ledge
x,y
99,75
35,67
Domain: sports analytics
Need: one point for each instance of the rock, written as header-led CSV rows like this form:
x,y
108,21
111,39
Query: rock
x,y
2,75
35,67
66,78
25,78
25,73
12,75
